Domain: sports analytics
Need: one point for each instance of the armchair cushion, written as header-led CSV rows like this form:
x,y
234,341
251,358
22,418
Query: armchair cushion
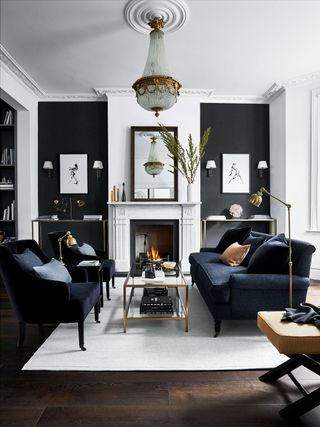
x,y
231,236
53,270
27,260
83,249
271,257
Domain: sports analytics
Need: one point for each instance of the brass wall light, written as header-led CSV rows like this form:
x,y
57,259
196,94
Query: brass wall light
x,y
262,165
48,167
71,241
211,165
98,166
256,200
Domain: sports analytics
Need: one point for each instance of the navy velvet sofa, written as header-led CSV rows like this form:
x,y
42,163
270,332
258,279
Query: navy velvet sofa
x,y
234,293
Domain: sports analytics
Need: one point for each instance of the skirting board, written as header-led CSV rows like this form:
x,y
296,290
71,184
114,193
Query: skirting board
x,y
315,273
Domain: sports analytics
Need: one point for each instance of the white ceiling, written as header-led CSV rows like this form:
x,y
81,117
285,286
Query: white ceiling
x,y
235,47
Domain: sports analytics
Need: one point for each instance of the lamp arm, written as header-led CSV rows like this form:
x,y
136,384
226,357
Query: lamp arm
x,y
263,190
60,248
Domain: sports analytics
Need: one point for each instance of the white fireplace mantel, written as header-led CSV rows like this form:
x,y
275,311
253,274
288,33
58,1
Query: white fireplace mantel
x,y
120,214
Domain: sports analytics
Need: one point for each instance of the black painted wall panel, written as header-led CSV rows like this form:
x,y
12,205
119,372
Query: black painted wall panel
x,y
72,128
236,128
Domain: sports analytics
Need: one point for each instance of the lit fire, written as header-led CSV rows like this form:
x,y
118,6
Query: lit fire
x,y
153,254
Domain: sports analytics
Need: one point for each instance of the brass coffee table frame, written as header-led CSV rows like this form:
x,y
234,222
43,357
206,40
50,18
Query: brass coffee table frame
x,y
184,307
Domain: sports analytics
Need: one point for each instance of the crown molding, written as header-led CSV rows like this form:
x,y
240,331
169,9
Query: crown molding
x,y
56,97
138,13
196,93
303,79
19,73
273,92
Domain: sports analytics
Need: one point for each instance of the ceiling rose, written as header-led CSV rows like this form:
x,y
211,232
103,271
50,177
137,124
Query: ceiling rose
x,y
174,13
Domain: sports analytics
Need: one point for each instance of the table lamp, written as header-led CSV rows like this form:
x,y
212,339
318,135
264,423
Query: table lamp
x,y
71,241
256,200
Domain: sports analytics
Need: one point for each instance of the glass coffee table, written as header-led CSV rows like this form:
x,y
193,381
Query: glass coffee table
x,y
137,284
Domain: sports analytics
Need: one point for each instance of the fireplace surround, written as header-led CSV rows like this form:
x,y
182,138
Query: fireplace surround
x,y
186,215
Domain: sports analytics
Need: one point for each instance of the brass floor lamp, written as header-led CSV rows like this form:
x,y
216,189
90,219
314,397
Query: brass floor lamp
x,y
256,200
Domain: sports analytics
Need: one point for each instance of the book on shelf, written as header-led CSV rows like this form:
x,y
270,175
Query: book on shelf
x,y
92,217
261,216
8,119
89,263
216,217
7,156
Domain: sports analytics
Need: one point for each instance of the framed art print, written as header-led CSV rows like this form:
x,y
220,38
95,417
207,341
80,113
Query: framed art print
x,y
73,173
236,173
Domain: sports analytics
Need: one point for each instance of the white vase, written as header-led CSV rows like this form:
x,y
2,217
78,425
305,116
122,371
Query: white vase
x,y
190,192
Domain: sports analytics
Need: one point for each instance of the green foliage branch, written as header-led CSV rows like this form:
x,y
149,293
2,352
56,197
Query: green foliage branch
x,y
187,159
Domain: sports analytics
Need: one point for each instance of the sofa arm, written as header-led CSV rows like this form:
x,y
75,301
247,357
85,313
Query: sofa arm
x,y
208,250
267,281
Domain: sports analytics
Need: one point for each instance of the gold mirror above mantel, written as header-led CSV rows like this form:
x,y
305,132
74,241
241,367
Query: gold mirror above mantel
x,y
151,167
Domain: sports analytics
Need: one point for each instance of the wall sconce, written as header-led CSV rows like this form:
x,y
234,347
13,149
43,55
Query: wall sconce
x,y
98,166
48,167
211,164
261,166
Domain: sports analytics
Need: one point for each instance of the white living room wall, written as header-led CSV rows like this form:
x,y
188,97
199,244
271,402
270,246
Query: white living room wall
x,y
16,94
298,165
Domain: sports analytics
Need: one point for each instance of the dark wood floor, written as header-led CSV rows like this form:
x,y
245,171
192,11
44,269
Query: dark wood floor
x,y
141,399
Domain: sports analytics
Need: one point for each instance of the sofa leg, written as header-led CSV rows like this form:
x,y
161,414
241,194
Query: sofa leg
x,y
81,335
217,327
22,334
96,312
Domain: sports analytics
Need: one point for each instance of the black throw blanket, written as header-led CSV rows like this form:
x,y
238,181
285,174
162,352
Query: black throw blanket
x,y
305,313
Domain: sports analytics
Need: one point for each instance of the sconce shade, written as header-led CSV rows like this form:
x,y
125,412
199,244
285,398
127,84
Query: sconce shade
x,y
211,164
97,164
47,164
262,165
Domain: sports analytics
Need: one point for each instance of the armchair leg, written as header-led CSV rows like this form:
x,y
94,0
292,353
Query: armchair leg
x,y
217,327
113,284
108,291
22,334
81,335
96,312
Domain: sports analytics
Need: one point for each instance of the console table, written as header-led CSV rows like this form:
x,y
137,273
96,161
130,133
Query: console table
x,y
38,222
271,221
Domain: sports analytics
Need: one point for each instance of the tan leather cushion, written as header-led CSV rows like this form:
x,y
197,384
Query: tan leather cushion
x,y
234,254
289,337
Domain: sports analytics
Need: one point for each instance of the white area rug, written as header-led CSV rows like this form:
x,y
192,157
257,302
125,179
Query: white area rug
x,y
155,345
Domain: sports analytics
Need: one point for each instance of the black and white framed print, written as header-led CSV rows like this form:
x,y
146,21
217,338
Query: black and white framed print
x,y
73,173
235,173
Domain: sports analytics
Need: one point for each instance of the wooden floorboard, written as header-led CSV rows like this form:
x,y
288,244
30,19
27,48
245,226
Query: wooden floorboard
x,y
141,399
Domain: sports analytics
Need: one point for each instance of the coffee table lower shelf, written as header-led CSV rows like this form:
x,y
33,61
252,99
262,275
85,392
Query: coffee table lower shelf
x,y
131,308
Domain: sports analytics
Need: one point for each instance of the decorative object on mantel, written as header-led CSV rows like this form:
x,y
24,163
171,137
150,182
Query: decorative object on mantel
x,y
123,197
115,194
188,159
66,204
235,210
156,90
98,166
256,200
262,165
153,166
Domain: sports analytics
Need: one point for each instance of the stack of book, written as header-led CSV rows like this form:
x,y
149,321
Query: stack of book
x,y
8,119
8,213
7,156
6,185
156,300
92,217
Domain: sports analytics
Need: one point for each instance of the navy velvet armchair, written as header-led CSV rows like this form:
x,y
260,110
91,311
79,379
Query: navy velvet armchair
x,y
40,301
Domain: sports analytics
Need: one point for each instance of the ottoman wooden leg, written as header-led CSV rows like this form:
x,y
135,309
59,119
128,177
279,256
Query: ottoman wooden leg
x,y
301,406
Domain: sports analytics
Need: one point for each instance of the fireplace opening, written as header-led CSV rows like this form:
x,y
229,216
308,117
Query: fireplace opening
x,y
154,239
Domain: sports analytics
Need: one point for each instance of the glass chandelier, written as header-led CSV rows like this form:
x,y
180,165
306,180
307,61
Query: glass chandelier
x,y
153,166
156,90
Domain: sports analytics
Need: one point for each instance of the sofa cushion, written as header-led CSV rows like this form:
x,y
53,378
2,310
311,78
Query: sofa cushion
x,y
255,242
27,260
214,278
203,257
234,254
231,236
271,257
53,270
